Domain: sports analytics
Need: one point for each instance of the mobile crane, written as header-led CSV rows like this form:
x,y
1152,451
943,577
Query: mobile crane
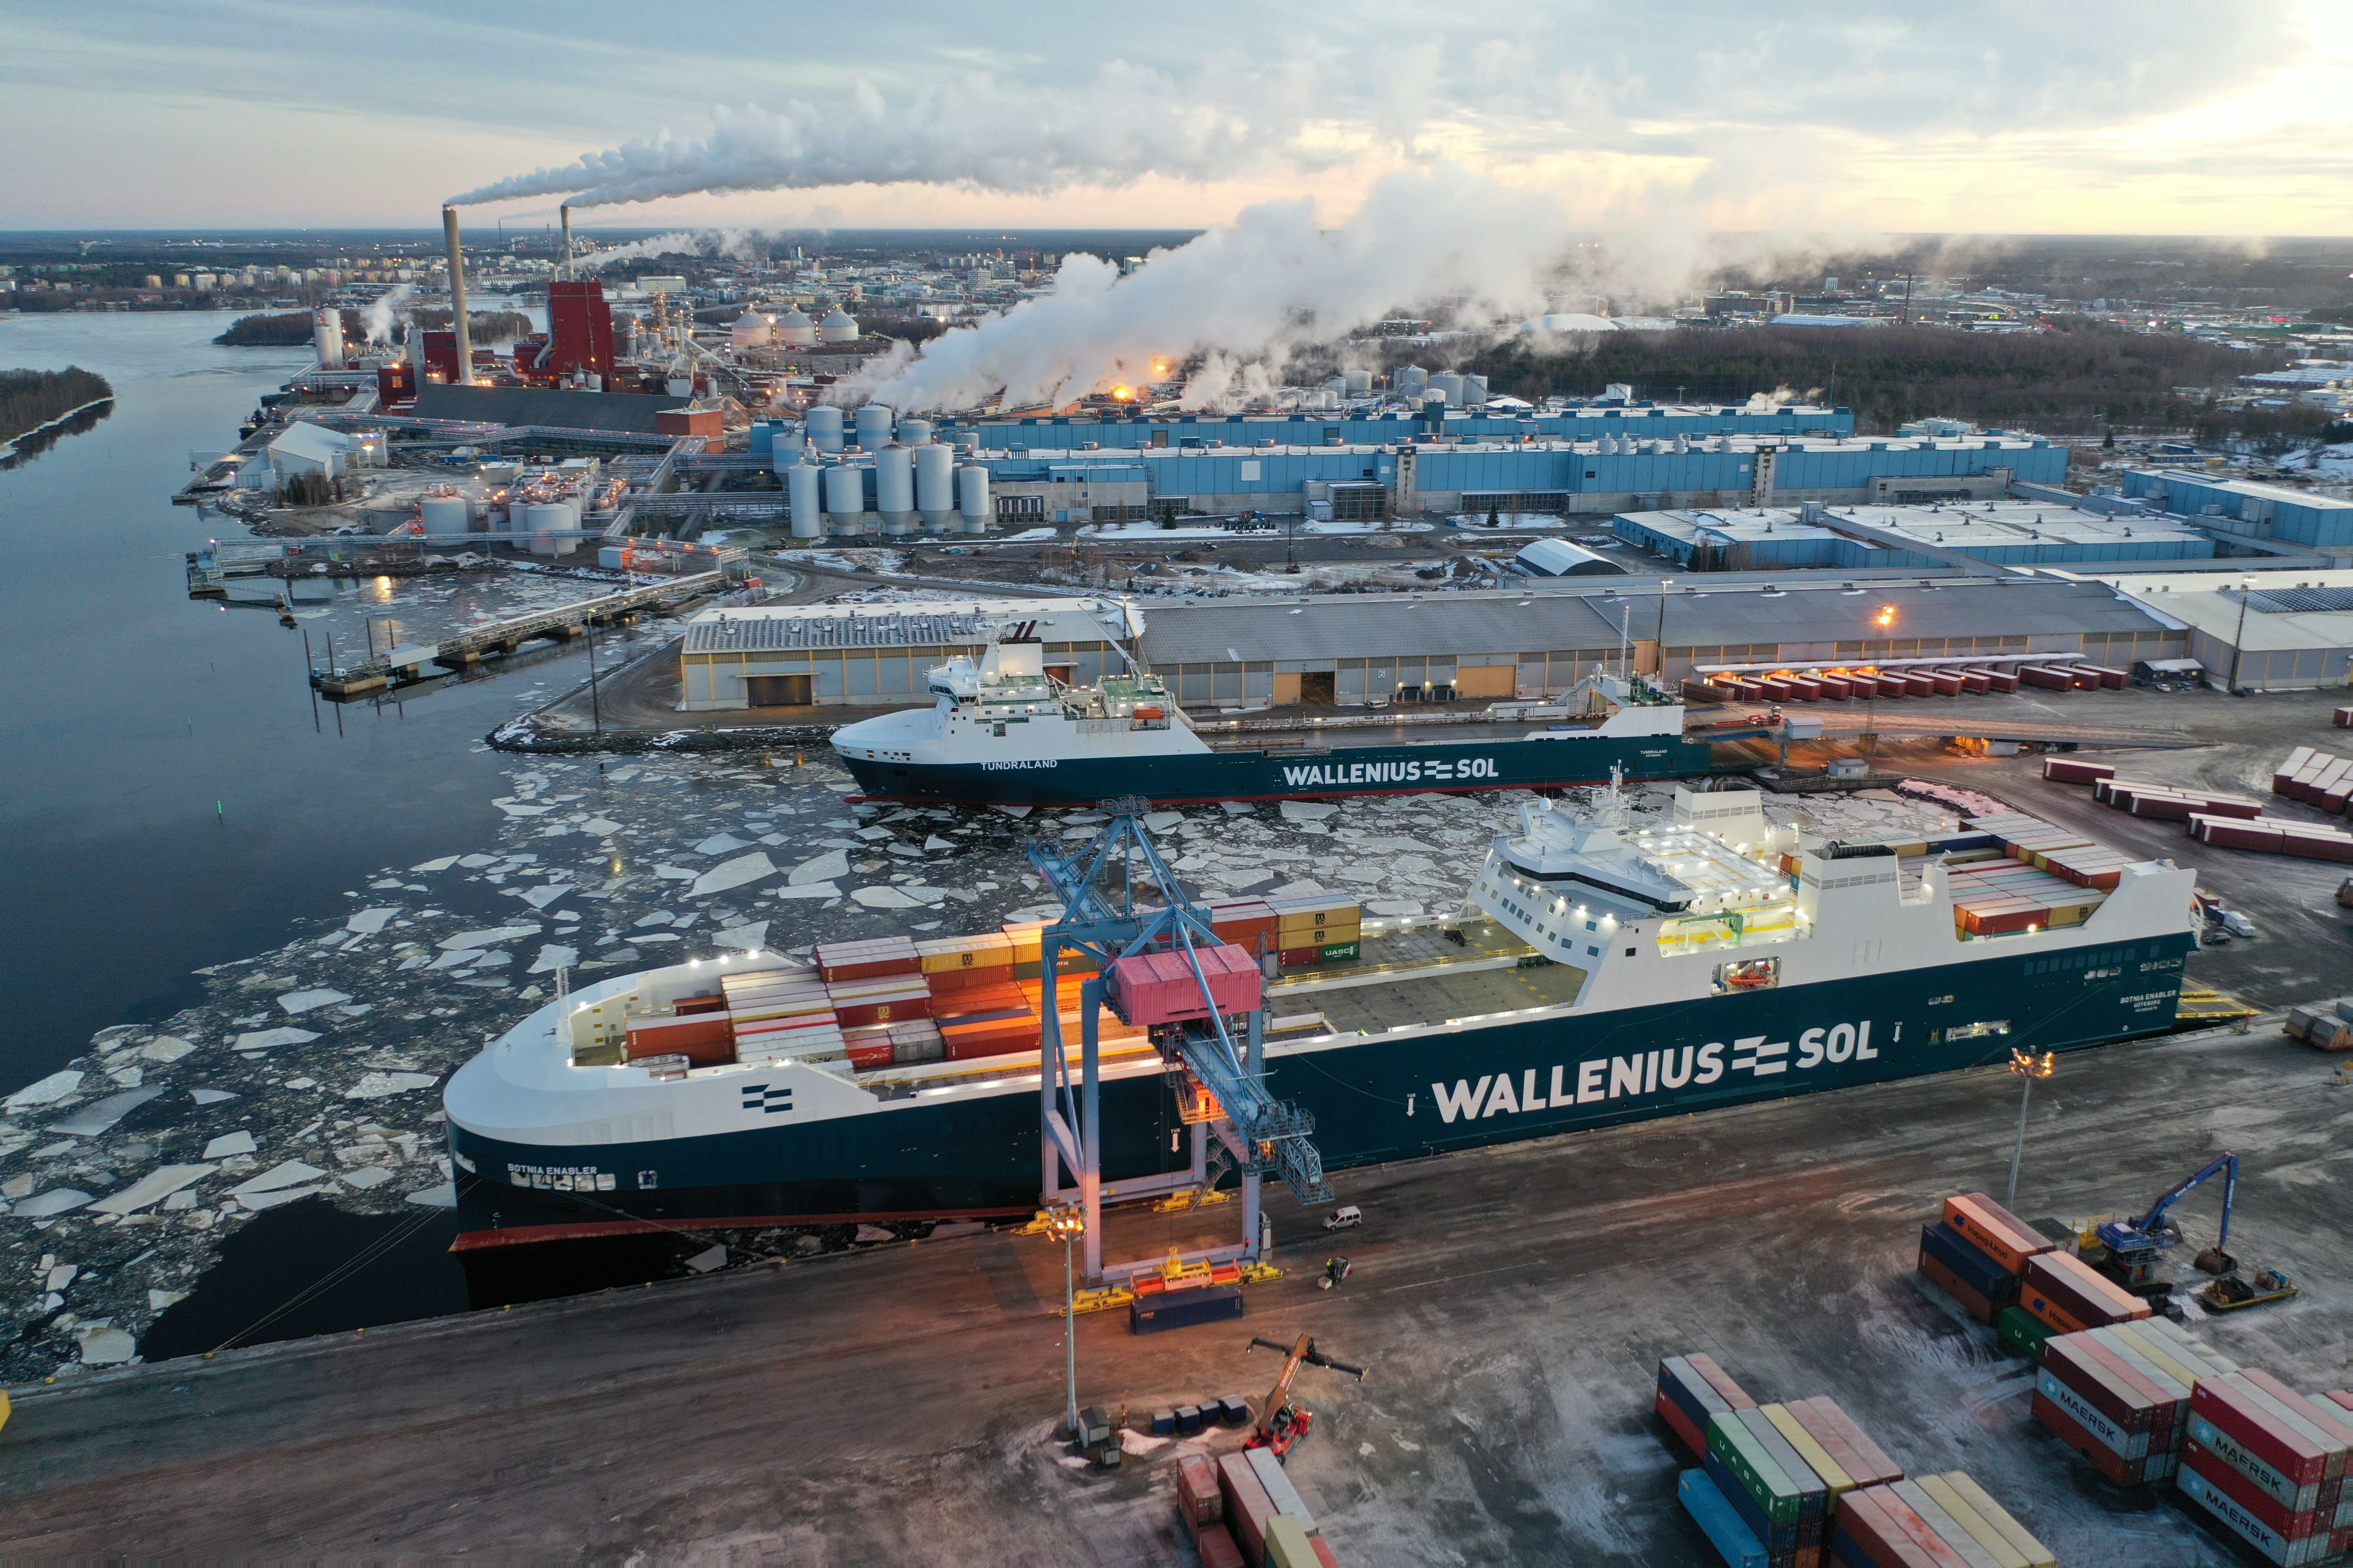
x,y
1281,1423
2133,1247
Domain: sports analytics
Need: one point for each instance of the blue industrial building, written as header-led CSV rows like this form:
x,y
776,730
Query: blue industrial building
x,y
1639,421
2261,511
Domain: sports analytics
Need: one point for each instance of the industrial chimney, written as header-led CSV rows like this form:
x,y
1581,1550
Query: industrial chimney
x,y
457,296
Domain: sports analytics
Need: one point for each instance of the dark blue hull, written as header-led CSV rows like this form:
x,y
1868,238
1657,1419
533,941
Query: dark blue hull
x,y
1376,1100
1279,774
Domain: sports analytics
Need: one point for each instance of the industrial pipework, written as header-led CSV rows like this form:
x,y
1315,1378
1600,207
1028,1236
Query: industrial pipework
x,y
457,296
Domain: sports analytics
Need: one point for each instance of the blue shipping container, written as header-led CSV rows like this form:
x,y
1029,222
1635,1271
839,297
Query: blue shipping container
x,y
1776,1538
1718,1521
1979,1272
1183,1308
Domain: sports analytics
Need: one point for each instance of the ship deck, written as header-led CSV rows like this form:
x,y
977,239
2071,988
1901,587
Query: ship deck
x,y
1423,976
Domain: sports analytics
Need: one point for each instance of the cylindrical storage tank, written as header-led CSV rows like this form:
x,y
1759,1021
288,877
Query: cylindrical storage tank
x,y
447,514
1411,380
1474,389
971,498
1359,382
750,331
1449,383
805,483
934,485
784,448
327,337
845,498
544,520
758,438
825,427
914,432
894,489
840,327
795,330
873,427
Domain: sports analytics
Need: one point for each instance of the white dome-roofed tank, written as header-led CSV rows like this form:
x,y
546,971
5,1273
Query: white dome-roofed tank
x,y
873,427
545,521
840,327
1360,381
1474,389
914,432
805,484
971,498
1451,384
845,498
1410,380
894,490
795,330
445,514
934,485
751,331
825,427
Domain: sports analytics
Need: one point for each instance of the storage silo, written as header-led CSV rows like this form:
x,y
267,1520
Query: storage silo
x,y
845,498
795,330
894,490
873,431
784,448
1360,381
805,483
1474,389
1450,384
840,327
825,427
750,331
545,522
447,514
327,337
971,498
1411,380
914,432
936,485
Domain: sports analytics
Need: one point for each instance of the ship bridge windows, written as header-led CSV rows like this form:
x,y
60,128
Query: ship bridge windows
x,y
2105,960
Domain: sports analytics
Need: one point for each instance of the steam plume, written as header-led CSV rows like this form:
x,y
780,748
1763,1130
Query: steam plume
x,y
1245,294
1128,123
382,310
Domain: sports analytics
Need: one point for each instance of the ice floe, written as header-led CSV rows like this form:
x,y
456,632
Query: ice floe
x,y
554,956
152,1188
443,864
56,1201
492,938
49,1090
238,1142
751,938
300,1002
166,1049
269,1039
100,1114
367,922
884,899
382,1085
734,873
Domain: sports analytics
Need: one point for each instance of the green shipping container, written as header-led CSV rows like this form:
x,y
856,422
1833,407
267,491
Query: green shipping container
x,y
1342,952
2022,1333
1760,1475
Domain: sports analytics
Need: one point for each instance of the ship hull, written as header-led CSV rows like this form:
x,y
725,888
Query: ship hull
x,y
1374,1100
1286,775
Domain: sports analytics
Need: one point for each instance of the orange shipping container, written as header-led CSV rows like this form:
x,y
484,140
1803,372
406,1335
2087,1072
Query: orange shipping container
x,y
1995,1231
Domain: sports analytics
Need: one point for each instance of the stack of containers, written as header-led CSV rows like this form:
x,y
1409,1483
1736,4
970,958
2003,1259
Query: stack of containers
x,y
2274,836
2314,777
1202,1506
2269,1465
2120,1397
1992,897
2170,803
949,963
1759,1473
781,1014
1936,1521
1161,988
1247,924
1263,1515
882,1000
2063,1291
985,1021
1318,930
701,1036
1978,1251
1694,1391
871,960
909,1042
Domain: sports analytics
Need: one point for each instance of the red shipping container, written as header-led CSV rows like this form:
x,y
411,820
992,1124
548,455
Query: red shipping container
x,y
2072,1284
1721,1381
1680,1423
714,1002
1217,1548
2167,807
1976,681
2286,770
2332,1426
1905,1524
2002,680
868,1057
1835,687
1197,1497
1822,1417
1162,988
993,1037
2109,1386
2312,846
2196,1456
1776,688
2066,770
2112,680
908,1002
1948,684
705,1040
1867,1527
2245,1421
1248,1507
1919,686
1805,688
2045,679
2106,1460
1323,1558
940,980
868,959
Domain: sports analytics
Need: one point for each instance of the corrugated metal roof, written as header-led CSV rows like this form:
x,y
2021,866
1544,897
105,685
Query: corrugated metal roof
x,y
1367,625
951,623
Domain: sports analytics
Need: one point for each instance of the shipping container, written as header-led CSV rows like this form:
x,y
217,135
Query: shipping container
x,y
1862,1459
1718,1520
2236,1519
2066,770
1162,987
1217,1548
2123,1472
1288,1544
1279,1489
1973,1302
1248,1510
2092,1298
1185,1309
1987,1275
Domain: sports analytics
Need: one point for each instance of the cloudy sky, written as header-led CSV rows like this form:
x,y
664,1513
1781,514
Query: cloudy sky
x,y
2012,116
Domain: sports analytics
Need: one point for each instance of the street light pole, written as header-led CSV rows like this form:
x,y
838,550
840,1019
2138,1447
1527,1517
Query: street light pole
x,y
1659,664
1068,1222
2028,1066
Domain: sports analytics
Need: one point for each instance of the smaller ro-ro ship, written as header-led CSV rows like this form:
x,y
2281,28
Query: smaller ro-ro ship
x,y
1002,732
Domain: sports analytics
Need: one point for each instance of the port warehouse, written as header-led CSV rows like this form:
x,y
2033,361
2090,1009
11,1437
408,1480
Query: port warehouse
x,y
2002,532
1365,648
1367,481
2249,511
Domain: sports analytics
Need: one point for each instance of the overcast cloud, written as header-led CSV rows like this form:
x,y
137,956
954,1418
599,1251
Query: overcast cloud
x,y
2003,117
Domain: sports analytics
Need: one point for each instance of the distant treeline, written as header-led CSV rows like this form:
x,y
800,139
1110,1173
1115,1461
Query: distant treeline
x,y
2082,379
291,328
31,399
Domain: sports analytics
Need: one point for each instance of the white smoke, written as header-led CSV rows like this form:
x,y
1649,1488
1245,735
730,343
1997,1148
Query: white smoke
x,y
384,311
1127,123
680,243
1242,295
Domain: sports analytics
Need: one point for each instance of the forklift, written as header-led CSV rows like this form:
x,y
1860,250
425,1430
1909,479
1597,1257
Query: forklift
x,y
2130,1250
1281,1423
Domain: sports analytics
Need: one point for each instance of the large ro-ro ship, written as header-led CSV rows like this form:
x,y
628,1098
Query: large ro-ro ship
x,y
1600,971
1001,730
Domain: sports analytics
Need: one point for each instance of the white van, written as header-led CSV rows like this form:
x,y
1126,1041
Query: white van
x,y
1342,1217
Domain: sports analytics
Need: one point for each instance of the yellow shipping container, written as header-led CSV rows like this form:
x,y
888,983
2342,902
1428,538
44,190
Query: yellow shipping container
x,y
955,952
